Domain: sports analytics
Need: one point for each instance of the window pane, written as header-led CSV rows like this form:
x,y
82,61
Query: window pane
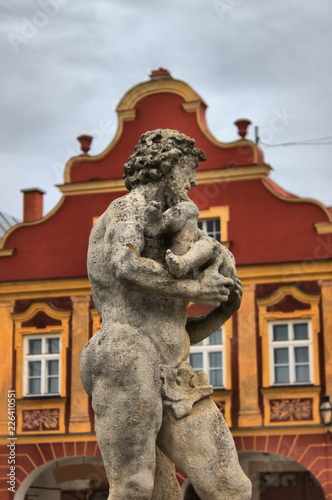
x,y
34,368
215,359
215,338
216,378
34,386
53,385
280,332
302,373
211,227
301,331
281,355
301,354
35,346
53,346
281,374
53,367
196,360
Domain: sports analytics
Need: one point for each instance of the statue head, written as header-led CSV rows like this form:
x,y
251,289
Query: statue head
x,y
156,153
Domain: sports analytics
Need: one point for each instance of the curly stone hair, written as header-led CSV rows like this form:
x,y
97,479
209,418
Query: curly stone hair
x,y
157,152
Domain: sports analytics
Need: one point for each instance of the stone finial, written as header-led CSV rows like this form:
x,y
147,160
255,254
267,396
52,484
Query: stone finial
x,y
85,142
242,125
160,73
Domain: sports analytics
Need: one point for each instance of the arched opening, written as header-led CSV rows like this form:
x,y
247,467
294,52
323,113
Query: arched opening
x,y
72,478
273,477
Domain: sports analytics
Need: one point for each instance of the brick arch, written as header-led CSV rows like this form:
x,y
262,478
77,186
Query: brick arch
x,y
314,452
31,456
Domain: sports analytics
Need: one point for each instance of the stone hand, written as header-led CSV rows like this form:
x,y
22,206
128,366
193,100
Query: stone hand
x,y
214,289
235,296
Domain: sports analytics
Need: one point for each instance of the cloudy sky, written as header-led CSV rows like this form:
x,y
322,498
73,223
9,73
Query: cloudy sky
x,y
65,64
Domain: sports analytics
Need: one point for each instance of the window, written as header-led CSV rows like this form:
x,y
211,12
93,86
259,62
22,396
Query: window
x,y
211,227
42,365
291,352
208,356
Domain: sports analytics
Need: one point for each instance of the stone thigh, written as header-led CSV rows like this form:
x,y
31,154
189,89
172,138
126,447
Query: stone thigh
x,y
202,446
128,416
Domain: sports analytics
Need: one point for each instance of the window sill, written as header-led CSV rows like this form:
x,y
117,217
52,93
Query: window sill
x,y
288,386
41,414
42,396
295,404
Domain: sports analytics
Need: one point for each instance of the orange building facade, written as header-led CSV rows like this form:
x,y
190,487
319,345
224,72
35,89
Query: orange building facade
x,y
270,364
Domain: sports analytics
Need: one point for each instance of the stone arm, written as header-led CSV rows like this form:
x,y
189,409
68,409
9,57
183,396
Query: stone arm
x,y
201,327
124,243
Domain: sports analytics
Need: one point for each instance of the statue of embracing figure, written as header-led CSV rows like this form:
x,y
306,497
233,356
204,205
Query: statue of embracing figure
x,y
147,260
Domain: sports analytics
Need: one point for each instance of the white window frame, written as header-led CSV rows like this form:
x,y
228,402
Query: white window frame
x,y
43,357
205,348
214,233
290,345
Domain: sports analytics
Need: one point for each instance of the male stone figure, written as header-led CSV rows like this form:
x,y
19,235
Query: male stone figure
x,y
144,392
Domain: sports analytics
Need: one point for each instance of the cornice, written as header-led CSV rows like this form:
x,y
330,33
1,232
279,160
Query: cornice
x,y
93,187
162,85
45,288
203,177
321,227
249,274
285,272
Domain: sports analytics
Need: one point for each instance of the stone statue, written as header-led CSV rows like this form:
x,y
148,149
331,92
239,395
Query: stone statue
x,y
147,260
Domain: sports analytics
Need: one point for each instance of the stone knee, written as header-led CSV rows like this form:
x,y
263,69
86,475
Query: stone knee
x,y
228,487
137,486
240,487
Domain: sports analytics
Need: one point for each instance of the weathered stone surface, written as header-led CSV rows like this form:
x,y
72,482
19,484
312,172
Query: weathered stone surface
x,y
147,260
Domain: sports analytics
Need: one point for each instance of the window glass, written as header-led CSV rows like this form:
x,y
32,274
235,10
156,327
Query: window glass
x,y
301,354
281,374
216,378
215,338
53,367
53,345
215,359
196,361
302,373
34,386
208,356
280,332
281,355
35,346
211,227
34,368
53,385
301,331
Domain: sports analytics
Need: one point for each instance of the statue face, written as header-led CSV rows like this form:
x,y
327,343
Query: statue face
x,y
184,176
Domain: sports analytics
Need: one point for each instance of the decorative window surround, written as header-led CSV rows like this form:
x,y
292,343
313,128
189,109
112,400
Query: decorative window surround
x,y
289,398
221,214
31,405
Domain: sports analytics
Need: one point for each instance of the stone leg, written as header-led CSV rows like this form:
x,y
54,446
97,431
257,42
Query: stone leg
x,y
202,446
128,409
166,486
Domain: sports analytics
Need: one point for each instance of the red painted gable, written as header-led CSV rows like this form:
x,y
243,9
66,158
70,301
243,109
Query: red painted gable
x,y
267,224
